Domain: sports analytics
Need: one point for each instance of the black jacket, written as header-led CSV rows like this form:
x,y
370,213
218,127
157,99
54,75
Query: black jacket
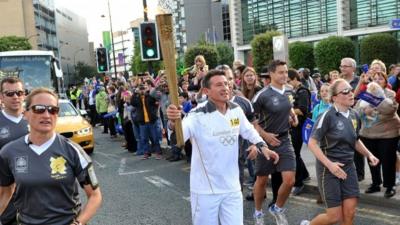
x,y
152,106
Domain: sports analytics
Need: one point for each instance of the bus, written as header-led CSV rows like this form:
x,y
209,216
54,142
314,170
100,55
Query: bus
x,y
35,68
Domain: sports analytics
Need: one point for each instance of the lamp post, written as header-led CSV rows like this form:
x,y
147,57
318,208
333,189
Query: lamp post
x,y
75,53
61,43
112,38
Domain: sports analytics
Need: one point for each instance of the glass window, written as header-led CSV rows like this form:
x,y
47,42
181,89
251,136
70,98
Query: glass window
x,y
66,109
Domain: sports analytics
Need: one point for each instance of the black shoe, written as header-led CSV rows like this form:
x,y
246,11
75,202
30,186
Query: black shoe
x,y
372,189
390,192
175,158
250,197
271,203
297,190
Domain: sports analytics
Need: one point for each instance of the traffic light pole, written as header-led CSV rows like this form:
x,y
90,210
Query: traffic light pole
x,y
149,68
112,40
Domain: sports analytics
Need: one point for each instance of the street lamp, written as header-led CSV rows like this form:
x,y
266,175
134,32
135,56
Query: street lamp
x,y
61,44
112,38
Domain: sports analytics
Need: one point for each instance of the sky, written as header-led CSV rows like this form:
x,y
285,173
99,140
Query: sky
x,y
122,12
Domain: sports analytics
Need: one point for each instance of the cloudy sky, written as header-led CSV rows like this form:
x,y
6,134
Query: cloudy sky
x,y
122,12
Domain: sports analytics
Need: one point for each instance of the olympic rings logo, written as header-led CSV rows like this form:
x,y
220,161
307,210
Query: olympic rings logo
x,y
227,140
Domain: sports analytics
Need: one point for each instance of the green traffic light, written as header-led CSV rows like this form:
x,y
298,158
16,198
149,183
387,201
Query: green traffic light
x,y
150,53
101,68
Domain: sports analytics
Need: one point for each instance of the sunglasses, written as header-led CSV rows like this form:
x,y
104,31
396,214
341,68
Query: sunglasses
x,y
40,109
345,91
12,93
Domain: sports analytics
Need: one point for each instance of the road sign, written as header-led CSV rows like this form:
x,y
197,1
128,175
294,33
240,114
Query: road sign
x,y
395,24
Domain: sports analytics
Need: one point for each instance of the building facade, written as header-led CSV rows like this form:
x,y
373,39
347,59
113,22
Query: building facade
x,y
196,20
73,43
309,21
123,45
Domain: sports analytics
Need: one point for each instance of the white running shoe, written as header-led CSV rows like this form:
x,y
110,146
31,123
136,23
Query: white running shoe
x,y
258,219
280,217
305,222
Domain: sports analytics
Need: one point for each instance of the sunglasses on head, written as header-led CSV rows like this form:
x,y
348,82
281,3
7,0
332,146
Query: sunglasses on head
x,y
345,91
39,109
12,93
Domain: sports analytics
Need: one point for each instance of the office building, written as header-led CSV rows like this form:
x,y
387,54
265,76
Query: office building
x,y
309,21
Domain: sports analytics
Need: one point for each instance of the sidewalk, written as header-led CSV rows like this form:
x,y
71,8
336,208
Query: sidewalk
x,y
375,198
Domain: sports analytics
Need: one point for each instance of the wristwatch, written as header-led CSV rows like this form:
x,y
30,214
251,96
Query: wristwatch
x,y
77,222
260,145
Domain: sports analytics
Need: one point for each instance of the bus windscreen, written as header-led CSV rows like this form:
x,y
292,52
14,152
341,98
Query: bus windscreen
x,y
34,71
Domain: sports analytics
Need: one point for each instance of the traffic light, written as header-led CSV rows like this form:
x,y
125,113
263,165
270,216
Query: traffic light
x,y
102,60
149,42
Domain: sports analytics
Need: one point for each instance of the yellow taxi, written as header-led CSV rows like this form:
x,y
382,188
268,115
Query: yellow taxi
x,y
72,125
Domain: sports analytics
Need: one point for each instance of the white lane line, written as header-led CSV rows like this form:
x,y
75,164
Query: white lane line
x,y
165,184
110,156
162,181
122,166
154,182
135,172
99,164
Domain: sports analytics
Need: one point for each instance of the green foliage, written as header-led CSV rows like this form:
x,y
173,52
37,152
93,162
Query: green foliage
x,y
261,48
301,54
12,43
225,54
208,51
83,71
139,66
379,46
330,51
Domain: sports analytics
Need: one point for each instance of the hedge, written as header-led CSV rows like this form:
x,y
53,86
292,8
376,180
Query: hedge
x,y
261,49
379,46
329,51
301,54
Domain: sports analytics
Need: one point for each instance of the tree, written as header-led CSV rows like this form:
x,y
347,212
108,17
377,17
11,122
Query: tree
x,y
12,43
261,49
330,51
83,71
301,54
225,54
208,51
139,66
379,46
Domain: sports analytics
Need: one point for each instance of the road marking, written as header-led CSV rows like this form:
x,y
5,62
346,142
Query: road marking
x,y
135,172
110,156
186,198
163,183
122,166
99,164
158,181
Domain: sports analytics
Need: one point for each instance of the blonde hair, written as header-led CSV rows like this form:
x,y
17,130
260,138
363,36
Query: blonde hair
x,y
201,59
38,91
333,88
380,63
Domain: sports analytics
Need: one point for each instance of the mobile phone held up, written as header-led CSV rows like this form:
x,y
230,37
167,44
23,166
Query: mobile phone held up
x,y
364,68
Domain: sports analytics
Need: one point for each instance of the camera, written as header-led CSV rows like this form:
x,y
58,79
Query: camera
x,y
142,87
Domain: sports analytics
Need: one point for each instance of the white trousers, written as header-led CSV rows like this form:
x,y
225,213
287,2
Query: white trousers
x,y
209,209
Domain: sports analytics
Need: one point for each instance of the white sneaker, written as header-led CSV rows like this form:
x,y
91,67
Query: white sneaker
x,y
258,219
305,222
280,217
397,180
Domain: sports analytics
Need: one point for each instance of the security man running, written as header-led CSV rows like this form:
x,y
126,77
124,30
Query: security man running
x,y
12,126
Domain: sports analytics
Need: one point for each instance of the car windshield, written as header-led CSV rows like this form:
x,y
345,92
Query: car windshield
x,y
66,109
